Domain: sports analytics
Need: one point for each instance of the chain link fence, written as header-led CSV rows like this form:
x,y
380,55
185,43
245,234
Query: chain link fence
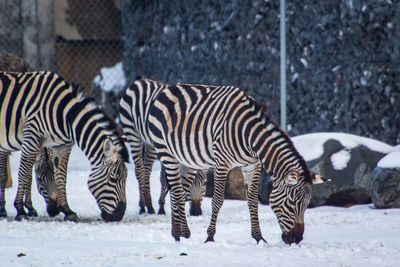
x,y
77,39
343,56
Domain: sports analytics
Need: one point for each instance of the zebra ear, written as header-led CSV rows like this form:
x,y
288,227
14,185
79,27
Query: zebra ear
x,y
110,151
318,179
292,178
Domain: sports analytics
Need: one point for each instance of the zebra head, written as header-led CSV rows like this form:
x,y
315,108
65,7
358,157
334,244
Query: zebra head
x,y
289,199
45,181
107,181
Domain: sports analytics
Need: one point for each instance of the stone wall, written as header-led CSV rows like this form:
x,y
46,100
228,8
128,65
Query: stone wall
x,y
343,62
26,30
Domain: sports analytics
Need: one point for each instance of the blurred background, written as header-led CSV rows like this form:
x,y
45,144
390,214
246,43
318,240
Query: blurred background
x,y
343,57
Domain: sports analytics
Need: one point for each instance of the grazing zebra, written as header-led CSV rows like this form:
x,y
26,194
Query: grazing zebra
x,y
45,182
195,189
41,109
220,127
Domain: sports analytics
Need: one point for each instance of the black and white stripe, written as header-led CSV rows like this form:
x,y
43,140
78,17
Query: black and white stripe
x,y
41,109
220,127
144,155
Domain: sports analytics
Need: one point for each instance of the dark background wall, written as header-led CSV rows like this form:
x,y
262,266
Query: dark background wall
x,y
343,57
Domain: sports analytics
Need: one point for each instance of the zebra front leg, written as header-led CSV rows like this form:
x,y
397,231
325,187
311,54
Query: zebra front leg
x,y
61,157
28,204
137,153
177,196
251,176
29,152
4,173
220,174
149,158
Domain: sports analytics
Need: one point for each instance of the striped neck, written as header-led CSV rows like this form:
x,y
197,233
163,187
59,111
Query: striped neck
x,y
89,128
275,150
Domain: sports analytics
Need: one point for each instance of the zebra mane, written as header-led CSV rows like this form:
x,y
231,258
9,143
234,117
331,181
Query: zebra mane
x,y
104,120
262,109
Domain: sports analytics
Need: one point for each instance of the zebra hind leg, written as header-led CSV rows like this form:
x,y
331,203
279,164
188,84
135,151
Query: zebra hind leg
x,y
163,192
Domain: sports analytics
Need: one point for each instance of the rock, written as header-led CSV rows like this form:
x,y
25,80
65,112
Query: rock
x,y
385,189
10,62
351,180
234,187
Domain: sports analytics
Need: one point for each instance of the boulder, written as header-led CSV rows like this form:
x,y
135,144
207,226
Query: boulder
x,y
349,170
385,188
10,62
351,181
234,187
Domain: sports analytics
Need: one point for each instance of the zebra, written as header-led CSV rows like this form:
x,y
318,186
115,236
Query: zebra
x,y
45,181
143,155
219,127
41,109
194,187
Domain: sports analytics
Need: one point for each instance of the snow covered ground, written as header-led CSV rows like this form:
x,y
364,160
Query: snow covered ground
x,y
355,236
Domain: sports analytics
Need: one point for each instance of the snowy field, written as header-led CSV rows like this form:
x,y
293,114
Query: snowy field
x,y
355,236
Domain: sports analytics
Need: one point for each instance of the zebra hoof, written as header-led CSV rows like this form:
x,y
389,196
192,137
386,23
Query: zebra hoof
x,y
161,212
186,235
261,239
3,213
32,212
21,217
209,239
71,218
142,210
150,211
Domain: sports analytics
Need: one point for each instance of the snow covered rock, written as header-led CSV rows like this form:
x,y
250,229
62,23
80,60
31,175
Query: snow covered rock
x,y
349,169
385,189
348,160
107,87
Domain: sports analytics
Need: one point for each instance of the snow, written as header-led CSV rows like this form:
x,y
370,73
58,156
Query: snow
x,y
391,160
311,147
355,236
339,160
111,79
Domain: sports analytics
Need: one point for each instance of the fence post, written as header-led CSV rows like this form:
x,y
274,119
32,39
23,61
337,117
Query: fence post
x,y
283,63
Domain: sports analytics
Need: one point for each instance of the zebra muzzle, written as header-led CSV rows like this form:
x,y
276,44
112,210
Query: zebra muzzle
x,y
117,215
195,208
52,208
295,235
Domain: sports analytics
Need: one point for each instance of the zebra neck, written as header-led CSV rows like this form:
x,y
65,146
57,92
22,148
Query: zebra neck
x,y
88,132
275,150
